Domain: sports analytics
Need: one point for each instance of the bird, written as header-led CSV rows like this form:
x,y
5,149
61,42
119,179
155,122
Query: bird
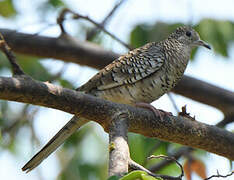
x,y
139,77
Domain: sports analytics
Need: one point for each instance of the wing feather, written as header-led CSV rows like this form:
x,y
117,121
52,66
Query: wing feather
x,y
127,69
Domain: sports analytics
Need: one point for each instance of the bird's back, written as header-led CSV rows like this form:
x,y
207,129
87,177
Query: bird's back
x,y
142,75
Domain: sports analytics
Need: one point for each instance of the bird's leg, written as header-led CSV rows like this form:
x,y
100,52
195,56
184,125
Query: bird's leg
x,y
157,112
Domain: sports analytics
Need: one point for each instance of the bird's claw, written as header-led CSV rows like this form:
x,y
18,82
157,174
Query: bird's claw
x,y
158,112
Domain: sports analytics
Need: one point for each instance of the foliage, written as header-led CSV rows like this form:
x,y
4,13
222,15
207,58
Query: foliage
x,y
7,8
135,175
139,175
218,33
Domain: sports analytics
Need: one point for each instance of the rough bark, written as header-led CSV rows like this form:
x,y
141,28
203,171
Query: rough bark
x,y
174,129
118,144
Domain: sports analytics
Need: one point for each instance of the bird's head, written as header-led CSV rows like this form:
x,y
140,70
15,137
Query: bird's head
x,y
188,36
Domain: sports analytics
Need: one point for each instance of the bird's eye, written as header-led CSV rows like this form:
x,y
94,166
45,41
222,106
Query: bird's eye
x,y
188,33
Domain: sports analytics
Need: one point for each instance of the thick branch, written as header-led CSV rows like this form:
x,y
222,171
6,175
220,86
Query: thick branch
x,y
118,145
70,50
67,49
173,129
206,93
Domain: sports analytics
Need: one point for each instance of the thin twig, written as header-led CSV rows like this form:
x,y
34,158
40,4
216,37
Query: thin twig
x,y
220,176
173,102
11,57
137,166
30,119
229,118
177,154
61,19
20,119
79,16
152,150
170,159
185,114
95,30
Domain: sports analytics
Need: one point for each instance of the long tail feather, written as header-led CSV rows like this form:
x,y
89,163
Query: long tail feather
x,y
54,143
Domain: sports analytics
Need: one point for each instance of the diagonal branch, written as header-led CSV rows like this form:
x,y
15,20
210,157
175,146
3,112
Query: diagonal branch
x,y
174,129
94,56
95,30
79,16
11,57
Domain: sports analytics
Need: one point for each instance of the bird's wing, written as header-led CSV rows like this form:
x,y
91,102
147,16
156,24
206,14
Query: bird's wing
x,y
127,69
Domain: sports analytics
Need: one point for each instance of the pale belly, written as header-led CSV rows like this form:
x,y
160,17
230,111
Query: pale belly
x,y
143,91
147,90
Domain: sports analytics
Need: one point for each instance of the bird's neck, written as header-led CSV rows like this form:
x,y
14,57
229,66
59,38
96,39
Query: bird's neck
x,y
177,50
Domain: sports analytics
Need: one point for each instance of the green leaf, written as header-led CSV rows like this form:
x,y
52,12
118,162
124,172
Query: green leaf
x,y
194,51
144,33
138,175
0,136
141,147
148,177
56,3
4,62
218,33
171,169
138,147
114,178
65,83
7,8
33,67
139,36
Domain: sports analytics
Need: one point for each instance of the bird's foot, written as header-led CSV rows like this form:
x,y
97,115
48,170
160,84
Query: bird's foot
x,y
158,112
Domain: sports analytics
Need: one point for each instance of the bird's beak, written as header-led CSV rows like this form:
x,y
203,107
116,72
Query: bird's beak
x,y
202,43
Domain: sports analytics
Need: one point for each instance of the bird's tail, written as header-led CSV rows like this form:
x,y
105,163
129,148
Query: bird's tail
x,y
54,143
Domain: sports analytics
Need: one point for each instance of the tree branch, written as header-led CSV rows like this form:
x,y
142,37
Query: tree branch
x,y
177,154
220,176
206,93
185,151
118,144
95,30
72,50
227,119
136,166
79,16
174,129
68,50
11,57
